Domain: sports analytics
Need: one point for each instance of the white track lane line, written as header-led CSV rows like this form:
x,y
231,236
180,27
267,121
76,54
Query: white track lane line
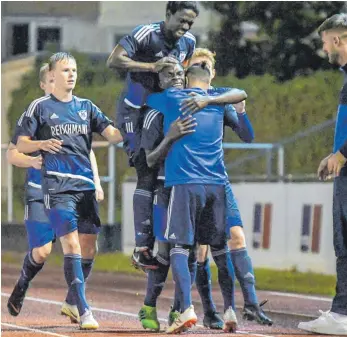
x,y
122,313
33,330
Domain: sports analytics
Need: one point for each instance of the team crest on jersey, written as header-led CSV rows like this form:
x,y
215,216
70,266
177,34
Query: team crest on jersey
x,y
83,114
182,56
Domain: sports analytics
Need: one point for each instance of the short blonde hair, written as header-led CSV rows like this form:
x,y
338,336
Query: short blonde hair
x,y
43,72
199,52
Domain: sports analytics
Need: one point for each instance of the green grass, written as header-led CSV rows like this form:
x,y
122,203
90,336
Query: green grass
x,y
267,279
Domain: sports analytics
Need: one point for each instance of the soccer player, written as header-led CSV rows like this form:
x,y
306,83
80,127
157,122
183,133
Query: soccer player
x,y
194,168
143,53
156,147
333,32
237,244
40,233
62,126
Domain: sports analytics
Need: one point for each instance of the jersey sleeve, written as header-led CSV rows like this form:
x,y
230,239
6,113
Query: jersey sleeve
x,y
152,132
137,40
99,121
191,44
28,123
17,130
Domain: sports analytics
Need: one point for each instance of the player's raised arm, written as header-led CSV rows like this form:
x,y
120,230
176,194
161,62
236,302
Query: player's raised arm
x,y
122,55
197,102
18,159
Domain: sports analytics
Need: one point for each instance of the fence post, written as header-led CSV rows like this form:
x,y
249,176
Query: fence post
x,y
111,183
9,193
269,163
280,163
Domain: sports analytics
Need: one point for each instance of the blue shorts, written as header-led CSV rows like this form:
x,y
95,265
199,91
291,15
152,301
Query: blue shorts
x,y
129,122
196,213
233,216
39,230
160,206
73,211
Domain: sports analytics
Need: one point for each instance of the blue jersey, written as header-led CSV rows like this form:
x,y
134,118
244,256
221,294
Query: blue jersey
x,y
33,188
196,158
147,44
72,122
153,134
340,138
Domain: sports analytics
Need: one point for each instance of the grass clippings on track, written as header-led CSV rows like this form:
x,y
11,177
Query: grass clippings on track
x,y
266,279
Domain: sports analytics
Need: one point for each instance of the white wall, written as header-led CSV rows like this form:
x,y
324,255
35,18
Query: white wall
x,y
287,210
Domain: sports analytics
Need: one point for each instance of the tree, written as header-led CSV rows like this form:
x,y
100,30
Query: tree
x,y
286,44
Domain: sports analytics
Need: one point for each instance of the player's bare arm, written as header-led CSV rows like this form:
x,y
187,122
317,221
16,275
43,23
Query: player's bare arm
x,y
119,59
197,102
18,159
112,134
26,145
99,192
178,129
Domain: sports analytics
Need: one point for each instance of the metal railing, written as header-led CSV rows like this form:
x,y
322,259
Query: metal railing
x,y
111,176
280,147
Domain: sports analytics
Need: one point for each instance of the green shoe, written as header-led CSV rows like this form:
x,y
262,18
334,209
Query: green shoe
x,y
148,318
172,316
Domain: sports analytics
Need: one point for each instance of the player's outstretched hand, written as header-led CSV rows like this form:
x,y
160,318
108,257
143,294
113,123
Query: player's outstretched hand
x,y
99,193
181,127
51,145
164,62
193,104
36,162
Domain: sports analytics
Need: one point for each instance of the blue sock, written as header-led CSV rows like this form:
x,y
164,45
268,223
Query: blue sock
x,y
29,270
245,275
75,281
226,275
142,205
203,284
155,281
181,275
178,294
87,265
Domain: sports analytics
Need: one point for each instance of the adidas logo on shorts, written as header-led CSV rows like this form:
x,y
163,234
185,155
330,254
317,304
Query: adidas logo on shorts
x,y
172,236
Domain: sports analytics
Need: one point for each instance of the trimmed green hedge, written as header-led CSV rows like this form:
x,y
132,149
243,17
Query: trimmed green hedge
x,y
276,111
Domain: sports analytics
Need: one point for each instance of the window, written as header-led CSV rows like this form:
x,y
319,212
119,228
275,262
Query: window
x,y
20,39
48,36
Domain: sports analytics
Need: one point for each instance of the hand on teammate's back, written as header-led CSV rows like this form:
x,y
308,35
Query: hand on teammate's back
x,y
51,145
193,104
181,127
36,162
164,62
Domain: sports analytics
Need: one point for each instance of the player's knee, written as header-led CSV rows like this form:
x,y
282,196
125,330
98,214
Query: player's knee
x,y
40,254
70,243
237,238
202,253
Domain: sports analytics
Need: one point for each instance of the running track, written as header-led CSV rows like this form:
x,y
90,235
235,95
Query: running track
x,y
116,299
